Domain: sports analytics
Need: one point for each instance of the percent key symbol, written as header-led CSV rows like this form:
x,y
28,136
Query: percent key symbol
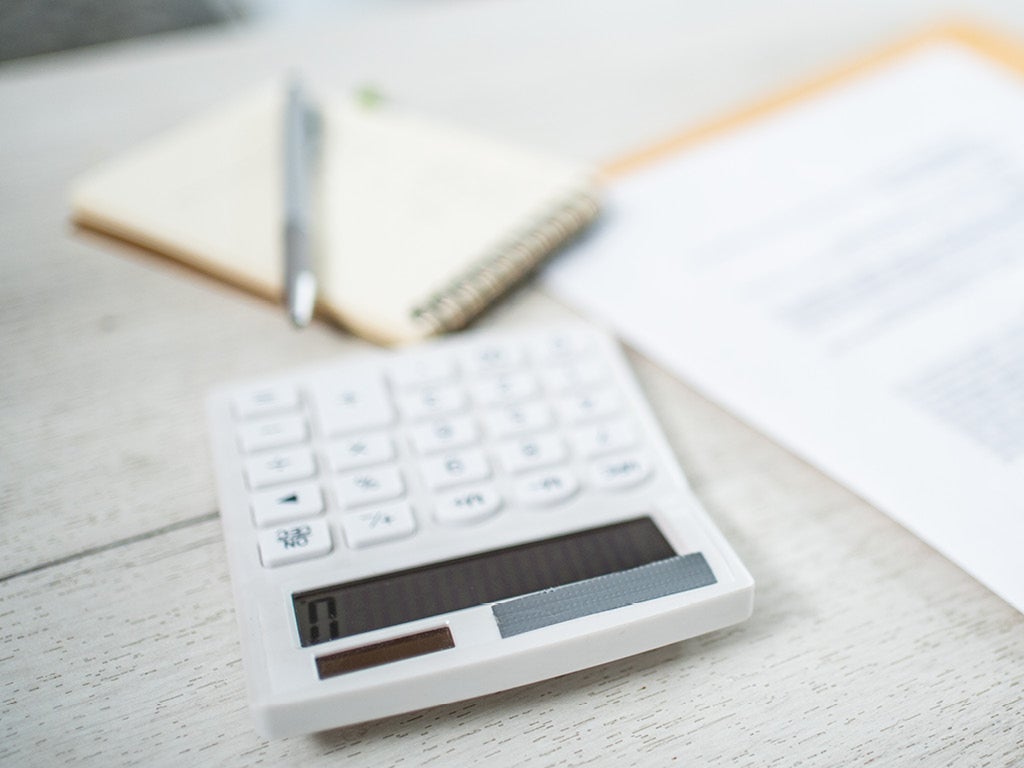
x,y
378,519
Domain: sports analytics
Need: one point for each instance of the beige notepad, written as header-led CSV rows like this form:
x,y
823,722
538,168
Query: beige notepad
x,y
418,225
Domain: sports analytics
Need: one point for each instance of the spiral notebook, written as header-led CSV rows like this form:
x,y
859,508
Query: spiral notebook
x,y
419,225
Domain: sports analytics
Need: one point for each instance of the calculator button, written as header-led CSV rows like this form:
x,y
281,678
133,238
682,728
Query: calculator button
x,y
376,526
467,505
293,543
455,467
281,466
352,403
545,488
532,452
562,347
592,405
369,485
444,434
272,433
288,503
518,419
431,402
361,451
604,437
506,388
488,359
421,371
263,401
568,378
620,472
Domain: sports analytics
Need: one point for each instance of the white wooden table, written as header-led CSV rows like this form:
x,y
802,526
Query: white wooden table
x,y
117,636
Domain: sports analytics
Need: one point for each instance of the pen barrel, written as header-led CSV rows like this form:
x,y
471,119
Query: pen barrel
x,y
296,256
296,155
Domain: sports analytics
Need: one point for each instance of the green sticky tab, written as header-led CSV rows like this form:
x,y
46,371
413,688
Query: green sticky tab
x,y
369,96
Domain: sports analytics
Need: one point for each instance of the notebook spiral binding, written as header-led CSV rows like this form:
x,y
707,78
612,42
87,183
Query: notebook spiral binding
x,y
465,297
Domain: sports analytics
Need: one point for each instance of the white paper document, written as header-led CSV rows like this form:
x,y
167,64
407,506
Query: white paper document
x,y
847,275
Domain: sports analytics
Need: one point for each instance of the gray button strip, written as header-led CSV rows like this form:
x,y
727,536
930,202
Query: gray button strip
x,y
603,593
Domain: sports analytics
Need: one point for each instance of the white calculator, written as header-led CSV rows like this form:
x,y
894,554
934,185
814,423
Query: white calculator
x,y
413,528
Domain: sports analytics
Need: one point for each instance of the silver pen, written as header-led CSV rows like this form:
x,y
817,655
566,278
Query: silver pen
x,y
299,277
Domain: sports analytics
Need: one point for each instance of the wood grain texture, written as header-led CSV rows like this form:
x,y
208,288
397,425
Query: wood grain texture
x,y
117,639
865,646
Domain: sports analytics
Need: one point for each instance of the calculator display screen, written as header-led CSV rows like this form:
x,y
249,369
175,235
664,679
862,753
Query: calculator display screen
x,y
349,609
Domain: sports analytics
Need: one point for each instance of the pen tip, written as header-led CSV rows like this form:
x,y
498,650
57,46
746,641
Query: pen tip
x,y
300,308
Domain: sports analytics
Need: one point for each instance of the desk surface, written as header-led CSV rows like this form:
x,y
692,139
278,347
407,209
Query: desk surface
x,y
117,636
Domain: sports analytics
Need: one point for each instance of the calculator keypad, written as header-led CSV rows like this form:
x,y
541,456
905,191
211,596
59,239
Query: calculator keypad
x,y
454,468
467,505
366,486
272,433
264,401
620,472
353,458
518,419
361,451
380,525
444,434
603,437
352,403
542,489
290,544
281,466
532,452
286,503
